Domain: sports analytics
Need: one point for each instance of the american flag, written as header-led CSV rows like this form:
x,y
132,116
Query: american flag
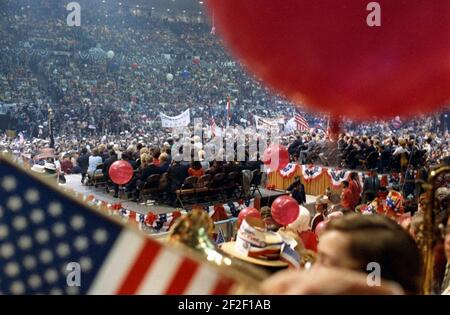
x,y
220,239
302,123
43,230
212,123
289,255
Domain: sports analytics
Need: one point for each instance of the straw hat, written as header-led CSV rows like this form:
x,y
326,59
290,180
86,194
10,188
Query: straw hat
x,y
254,244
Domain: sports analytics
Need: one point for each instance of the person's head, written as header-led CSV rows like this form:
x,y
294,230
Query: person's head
x,y
84,151
344,184
196,165
353,176
353,241
95,152
369,195
143,150
321,204
156,153
163,157
146,159
101,148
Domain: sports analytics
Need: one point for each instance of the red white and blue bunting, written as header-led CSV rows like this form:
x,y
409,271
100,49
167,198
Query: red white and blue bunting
x,y
337,176
289,170
310,172
161,222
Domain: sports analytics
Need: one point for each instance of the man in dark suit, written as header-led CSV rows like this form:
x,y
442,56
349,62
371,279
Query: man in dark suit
x,y
294,146
83,162
297,190
112,158
177,173
371,183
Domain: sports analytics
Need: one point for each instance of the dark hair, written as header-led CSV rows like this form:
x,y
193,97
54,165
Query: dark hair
x,y
84,150
375,238
369,195
345,183
196,165
156,153
353,175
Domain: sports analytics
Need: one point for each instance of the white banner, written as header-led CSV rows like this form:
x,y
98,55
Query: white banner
x,y
181,120
268,123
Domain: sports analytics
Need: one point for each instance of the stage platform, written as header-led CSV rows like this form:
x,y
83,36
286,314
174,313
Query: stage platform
x,y
74,182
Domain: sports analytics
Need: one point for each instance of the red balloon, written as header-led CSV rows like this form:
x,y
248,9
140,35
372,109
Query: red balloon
x,y
320,227
120,172
285,210
252,212
276,157
323,54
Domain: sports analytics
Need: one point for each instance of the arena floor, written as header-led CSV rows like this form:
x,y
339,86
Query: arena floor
x,y
74,182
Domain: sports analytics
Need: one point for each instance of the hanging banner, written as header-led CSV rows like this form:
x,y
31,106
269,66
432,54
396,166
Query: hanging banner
x,y
268,123
289,170
181,120
337,176
310,171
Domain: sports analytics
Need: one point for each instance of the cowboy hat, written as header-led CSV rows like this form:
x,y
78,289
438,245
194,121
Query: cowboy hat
x,y
254,244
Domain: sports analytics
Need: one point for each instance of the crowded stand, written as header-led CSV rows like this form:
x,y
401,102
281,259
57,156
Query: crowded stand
x,y
76,101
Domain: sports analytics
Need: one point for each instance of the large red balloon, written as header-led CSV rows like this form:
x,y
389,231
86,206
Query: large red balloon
x,y
275,157
252,212
323,53
120,172
284,210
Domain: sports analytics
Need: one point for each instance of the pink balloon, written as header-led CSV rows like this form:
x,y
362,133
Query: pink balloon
x,y
320,227
285,210
276,157
120,172
251,212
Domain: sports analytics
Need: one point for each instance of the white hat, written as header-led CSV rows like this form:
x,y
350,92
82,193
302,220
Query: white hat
x,y
38,168
49,166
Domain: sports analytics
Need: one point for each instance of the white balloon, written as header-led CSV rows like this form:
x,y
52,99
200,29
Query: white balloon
x,y
169,77
110,54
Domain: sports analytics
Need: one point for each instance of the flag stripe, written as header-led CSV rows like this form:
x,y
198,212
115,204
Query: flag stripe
x,y
114,270
156,279
204,282
182,277
223,286
140,266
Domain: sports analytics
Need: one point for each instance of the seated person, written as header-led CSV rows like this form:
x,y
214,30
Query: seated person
x,y
94,160
321,206
66,164
196,169
164,162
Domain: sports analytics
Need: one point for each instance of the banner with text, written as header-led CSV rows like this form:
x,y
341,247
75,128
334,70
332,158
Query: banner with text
x,y
181,120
